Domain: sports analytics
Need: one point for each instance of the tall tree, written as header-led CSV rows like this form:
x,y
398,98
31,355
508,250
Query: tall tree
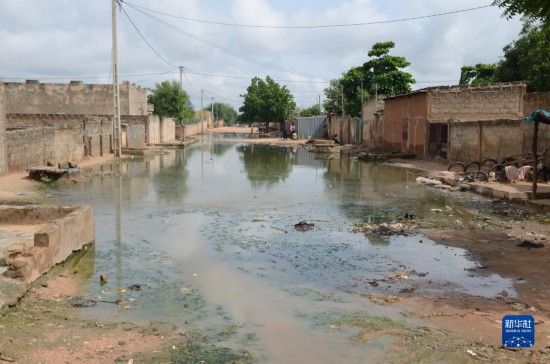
x,y
171,101
382,73
480,73
314,110
223,112
265,102
333,98
532,10
528,59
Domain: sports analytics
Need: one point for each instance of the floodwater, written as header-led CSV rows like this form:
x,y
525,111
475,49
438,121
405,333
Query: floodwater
x,y
207,233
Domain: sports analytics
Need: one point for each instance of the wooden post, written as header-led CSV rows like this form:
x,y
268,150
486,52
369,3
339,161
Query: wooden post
x,y
535,161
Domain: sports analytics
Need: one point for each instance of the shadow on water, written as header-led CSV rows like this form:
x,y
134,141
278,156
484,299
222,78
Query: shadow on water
x,y
207,235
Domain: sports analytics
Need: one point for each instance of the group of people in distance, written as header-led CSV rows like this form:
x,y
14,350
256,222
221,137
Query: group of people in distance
x,y
290,133
291,130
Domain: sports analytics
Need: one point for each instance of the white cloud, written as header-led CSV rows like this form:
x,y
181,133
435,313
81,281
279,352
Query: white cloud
x,y
71,38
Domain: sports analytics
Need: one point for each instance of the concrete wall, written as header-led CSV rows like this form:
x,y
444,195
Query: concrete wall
x,y
195,129
133,136
477,140
535,100
33,97
404,126
373,116
161,130
343,127
3,136
34,140
477,102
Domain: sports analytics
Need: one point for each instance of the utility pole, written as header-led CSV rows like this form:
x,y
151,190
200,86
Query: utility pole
x,y
343,111
202,113
361,101
116,90
181,89
212,112
319,104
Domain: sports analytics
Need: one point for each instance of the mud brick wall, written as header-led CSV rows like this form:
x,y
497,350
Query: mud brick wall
x,y
3,136
98,132
483,102
536,100
160,130
477,140
76,97
28,148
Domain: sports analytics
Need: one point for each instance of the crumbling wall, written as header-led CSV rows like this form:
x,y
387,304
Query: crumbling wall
x,y
34,140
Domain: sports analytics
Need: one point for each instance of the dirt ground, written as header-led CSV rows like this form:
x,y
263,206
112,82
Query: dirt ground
x,y
43,328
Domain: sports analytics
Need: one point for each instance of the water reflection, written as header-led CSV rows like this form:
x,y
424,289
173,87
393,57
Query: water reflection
x,y
265,164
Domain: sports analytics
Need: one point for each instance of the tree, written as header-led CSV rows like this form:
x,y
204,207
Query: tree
x,y
532,10
314,110
265,102
382,74
223,112
171,101
333,98
480,73
527,59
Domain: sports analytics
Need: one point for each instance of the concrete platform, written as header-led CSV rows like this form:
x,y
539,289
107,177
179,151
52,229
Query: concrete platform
x,y
34,238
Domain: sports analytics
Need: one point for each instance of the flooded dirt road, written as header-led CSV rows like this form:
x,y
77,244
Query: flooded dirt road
x,y
204,239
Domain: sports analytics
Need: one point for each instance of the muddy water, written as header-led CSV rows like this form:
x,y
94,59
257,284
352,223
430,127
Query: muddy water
x,y
207,236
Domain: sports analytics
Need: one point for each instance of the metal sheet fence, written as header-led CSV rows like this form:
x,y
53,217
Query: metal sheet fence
x,y
311,127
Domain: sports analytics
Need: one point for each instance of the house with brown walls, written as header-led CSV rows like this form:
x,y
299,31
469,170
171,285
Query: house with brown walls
x,y
418,122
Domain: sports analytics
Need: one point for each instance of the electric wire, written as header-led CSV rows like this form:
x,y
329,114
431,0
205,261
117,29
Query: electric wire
x,y
143,37
310,26
227,50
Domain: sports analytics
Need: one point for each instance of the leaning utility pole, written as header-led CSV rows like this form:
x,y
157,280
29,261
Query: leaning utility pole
x,y
181,77
116,91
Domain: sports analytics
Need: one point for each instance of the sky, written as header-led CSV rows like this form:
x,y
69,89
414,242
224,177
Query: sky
x,y
223,44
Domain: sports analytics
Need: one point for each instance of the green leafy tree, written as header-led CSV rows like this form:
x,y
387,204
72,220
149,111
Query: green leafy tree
x,y
171,101
527,59
332,104
223,112
480,73
265,102
314,110
532,10
382,73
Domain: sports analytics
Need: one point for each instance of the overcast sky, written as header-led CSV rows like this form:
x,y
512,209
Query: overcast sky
x,y
63,40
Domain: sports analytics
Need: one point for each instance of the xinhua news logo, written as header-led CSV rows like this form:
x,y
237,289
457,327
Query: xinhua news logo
x,y
518,331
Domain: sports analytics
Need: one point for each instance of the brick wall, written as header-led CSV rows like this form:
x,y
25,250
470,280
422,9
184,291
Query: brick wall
x,y
536,100
76,97
33,139
477,140
477,102
3,136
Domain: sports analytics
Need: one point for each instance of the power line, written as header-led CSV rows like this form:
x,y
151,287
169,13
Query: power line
x,y
142,37
225,49
310,26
